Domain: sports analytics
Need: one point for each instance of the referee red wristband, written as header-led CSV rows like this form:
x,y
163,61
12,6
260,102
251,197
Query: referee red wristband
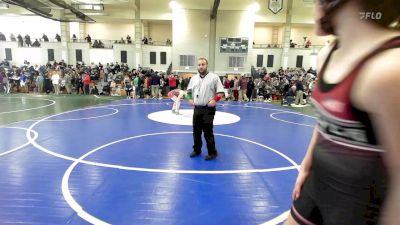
x,y
217,98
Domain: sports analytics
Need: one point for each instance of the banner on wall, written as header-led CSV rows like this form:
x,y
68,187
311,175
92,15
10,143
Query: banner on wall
x,y
275,5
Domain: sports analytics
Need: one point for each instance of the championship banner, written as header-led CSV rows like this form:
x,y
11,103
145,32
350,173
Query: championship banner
x,y
275,5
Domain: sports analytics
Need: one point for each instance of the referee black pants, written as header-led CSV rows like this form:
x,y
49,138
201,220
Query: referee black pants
x,y
203,118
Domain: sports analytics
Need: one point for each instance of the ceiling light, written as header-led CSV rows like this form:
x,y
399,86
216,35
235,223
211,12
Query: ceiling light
x,y
96,7
173,5
95,14
255,7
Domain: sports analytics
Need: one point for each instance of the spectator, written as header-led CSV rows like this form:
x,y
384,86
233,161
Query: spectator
x,y
79,82
2,37
299,92
88,39
307,44
39,82
136,84
235,89
86,83
172,82
155,85
226,84
288,98
36,43
20,40
243,88
12,37
2,75
58,38
100,44
28,40
95,90
45,38
68,81
292,44
55,79
145,41
128,87
95,44
250,88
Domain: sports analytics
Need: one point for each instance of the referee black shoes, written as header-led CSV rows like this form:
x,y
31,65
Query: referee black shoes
x,y
212,156
194,154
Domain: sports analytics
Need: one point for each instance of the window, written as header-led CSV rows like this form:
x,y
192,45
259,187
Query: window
x,y
124,58
270,61
153,58
299,61
50,54
260,60
78,53
163,58
8,54
236,61
187,60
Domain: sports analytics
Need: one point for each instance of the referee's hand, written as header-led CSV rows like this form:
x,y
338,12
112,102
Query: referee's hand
x,y
211,103
191,102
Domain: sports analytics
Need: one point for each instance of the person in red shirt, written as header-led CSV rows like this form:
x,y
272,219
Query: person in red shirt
x,y
227,87
172,82
86,83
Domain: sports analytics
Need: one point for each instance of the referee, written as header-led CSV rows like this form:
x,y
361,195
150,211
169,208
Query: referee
x,y
204,91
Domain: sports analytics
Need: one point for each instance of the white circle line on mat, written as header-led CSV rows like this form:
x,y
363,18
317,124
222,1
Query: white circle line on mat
x,y
94,220
28,109
83,118
285,121
76,206
294,166
21,146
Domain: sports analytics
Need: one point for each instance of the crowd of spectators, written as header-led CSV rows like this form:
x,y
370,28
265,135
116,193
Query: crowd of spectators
x,y
293,85
26,40
109,79
290,86
149,41
306,43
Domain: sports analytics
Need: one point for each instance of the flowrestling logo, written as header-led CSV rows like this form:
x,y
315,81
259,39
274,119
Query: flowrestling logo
x,y
370,15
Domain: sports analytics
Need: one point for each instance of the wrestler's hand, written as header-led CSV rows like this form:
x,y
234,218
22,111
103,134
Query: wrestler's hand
x,y
211,103
303,174
191,102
